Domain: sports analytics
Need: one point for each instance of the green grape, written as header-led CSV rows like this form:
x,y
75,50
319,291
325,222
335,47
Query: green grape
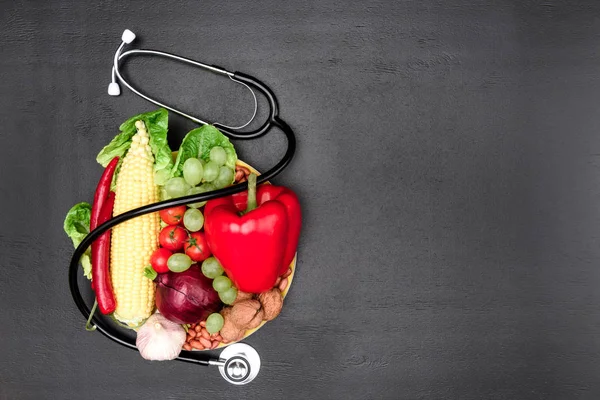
x,y
161,177
196,190
163,194
218,155
221,184
193,219
205,187
177,187
208,187
225,177
214,323
211,171
193,171
179,262
221,283
228,296
211,268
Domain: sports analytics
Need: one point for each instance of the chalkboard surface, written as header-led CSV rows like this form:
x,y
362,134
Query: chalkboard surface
x,y
448,166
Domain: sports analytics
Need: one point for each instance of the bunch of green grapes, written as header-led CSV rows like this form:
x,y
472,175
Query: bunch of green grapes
x,y
200,177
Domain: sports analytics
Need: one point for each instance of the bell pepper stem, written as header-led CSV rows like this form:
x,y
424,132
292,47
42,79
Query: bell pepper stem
x,y
251,193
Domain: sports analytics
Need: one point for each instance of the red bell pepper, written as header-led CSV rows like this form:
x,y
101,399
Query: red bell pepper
x,y
257,246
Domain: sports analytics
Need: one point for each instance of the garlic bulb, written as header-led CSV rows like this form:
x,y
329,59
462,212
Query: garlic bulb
x,y
160,339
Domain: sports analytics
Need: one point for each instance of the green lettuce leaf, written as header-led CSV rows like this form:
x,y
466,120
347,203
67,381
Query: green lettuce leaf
x,y
198,142
77,226
157,124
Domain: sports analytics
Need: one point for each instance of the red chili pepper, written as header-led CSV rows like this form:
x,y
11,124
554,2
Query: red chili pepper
x,y
101,260
102,190
101,194
258,246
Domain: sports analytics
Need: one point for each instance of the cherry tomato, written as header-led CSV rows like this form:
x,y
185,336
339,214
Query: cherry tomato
x,y
159,258
173,215
172,237
196,247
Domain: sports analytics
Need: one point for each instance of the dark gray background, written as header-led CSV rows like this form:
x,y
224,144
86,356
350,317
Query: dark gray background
x,y
448,165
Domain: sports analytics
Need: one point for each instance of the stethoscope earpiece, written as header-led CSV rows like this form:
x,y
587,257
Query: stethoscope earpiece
x,y
113,88
128,36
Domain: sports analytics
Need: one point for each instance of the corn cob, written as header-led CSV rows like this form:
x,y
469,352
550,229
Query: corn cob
x,y
134,240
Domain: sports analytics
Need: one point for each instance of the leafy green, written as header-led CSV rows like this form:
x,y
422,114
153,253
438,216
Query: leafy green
x,y
198,142
77,226
157,125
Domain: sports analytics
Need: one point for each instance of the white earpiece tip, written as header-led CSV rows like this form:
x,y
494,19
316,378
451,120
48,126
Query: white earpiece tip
x,y
114,89
127,36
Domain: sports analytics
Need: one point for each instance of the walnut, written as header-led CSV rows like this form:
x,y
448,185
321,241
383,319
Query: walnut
x,y
230,332
243,313
241,296
225,312
257,320
272,303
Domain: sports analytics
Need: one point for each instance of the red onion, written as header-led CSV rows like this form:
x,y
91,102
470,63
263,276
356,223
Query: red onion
x,y
186,297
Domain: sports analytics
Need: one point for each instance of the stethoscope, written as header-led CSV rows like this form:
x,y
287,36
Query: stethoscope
x,y
238,363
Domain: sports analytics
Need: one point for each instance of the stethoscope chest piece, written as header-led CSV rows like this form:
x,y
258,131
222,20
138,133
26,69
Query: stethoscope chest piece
x,y
239,364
